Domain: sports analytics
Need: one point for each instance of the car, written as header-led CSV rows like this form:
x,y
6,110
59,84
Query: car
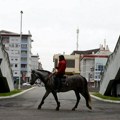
x,y
26,84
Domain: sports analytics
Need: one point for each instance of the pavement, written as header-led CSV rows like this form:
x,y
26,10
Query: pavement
x,y
95,97
11,96
105,100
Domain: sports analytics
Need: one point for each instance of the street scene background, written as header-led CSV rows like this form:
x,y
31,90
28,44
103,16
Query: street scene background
x,y
24,107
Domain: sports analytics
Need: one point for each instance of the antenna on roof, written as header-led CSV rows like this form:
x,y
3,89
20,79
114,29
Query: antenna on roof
x,y
105,44
77,45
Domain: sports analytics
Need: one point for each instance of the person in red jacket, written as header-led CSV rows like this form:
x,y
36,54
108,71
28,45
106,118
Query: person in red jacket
x,y
60,72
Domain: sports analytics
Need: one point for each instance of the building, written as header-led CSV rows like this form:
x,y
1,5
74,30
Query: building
x,y
19,51
35,64
73,63
92,63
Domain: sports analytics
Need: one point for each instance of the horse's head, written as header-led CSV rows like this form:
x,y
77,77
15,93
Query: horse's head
x,y
41,74
34,77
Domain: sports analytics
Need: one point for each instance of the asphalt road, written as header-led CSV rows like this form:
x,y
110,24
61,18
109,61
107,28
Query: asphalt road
x,y
24,107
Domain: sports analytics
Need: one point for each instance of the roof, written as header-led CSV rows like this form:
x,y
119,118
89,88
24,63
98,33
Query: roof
x,y
86,51
35,56
9,33
94,56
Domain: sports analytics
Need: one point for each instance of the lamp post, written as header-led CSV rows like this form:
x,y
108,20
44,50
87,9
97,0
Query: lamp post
x,y
77,45
21,12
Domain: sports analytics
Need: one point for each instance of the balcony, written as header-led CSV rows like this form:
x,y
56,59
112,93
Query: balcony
x,y
24,69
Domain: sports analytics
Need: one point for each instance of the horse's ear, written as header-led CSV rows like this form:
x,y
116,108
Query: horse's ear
x,y
33,71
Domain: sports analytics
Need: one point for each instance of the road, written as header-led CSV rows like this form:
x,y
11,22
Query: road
x,y
24,107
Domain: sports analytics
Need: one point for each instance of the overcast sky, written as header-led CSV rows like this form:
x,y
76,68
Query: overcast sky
x,y
53,24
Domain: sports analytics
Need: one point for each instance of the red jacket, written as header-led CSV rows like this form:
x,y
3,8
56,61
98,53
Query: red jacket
x,y
61,67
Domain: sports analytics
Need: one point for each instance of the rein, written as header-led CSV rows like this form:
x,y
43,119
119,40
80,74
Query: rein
x,y
49,77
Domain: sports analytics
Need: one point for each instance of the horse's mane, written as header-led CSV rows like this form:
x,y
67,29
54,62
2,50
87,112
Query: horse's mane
x,y
44,71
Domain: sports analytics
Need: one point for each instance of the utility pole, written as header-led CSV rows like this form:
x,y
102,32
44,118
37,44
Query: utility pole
x,y
77,45
21,12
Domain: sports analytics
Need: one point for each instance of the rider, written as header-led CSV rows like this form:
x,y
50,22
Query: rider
x,y
60,72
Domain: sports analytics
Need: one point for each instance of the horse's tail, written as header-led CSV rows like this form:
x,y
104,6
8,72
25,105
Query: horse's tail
x,y
86,89
88,97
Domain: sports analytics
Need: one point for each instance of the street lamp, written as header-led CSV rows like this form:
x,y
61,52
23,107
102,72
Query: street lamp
x,y
77,39
21,12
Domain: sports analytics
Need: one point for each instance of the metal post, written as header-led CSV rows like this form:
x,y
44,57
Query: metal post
x,y
21,12
77,39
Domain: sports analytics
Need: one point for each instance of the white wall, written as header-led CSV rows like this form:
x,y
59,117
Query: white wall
x,y
34,62
86,65
5,68
112,67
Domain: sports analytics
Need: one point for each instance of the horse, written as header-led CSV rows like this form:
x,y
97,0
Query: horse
x,y
77,83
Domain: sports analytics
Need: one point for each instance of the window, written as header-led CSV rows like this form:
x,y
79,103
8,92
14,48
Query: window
x,y
16,65
5,39
23,66
23,45
12,45
16,45
23,59
24,37
15,72
70,63
99,67
24,52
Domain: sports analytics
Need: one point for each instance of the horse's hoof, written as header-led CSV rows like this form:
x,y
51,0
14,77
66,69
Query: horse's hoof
x,y
57,109
39,107
90,107
73,109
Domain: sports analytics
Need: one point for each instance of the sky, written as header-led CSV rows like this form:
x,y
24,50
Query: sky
x,y
53,24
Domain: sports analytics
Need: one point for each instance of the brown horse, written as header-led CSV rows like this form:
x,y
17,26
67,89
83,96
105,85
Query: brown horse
x,y
77,83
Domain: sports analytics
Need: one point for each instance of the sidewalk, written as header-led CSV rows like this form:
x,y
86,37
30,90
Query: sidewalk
x,y
11,96
105,100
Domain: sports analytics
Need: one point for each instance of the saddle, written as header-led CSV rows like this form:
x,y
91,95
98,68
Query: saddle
x,y
63,79
60,83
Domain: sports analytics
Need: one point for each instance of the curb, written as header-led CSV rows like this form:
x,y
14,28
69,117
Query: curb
x,y
104,100
11,96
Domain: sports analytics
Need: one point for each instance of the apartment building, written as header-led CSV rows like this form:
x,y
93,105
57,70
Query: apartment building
x,y
19,51
35,63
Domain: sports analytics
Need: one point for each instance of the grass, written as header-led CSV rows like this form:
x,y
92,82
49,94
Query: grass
x,y
106,97
10,93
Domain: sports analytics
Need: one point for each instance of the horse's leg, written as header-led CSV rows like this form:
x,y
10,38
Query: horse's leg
x,y
86,95
78,99
56,99
42,102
